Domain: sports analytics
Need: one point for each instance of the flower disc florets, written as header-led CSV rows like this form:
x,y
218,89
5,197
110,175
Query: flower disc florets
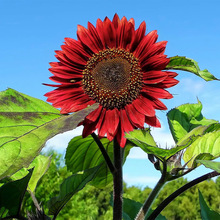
x,y
112,78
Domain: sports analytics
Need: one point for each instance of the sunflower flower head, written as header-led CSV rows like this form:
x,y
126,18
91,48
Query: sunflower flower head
x,y
118,67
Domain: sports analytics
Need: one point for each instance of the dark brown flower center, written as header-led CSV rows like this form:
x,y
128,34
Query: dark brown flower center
x,y
113,78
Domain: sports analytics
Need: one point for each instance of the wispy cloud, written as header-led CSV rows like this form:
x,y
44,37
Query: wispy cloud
x,y
195,87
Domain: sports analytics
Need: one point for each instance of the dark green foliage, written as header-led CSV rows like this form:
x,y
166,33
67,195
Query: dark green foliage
x,y
93,204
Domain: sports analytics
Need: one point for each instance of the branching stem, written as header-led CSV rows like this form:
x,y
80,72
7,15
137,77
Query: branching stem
x,y
170,198
146,207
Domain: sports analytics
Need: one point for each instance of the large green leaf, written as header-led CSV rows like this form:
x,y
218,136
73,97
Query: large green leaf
x,y
40,164
11,196
190,65
130,209
84,153
205,147
69,187
26,123
143,139
210,164
206,212
185,118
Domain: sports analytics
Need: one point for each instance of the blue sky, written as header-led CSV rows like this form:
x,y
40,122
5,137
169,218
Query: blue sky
x,y
32,30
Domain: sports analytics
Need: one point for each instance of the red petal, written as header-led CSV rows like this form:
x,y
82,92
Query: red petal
x,y
121,139
73,56
146,42
152,77
156,103
95,36
70,107
88,129
136,118
167,83
144,106
65,61
157,48
132,21
112,118
93,116
138,36
156,62
109,33
171,74
156,92
125,33
116,21
65,72
64,81
99,28
125,122
100,122
77,46
85,37
152,121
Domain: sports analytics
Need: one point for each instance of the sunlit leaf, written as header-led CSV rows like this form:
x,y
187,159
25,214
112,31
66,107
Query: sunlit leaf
x,y
11,196
145,144
69,187
205,147
210,164
190,65
40,164
206,212
84,153
185,118
26,123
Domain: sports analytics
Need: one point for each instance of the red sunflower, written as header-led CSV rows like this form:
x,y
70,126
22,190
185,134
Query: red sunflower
x,y
118,67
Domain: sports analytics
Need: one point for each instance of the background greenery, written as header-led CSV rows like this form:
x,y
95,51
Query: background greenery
x,y
93,204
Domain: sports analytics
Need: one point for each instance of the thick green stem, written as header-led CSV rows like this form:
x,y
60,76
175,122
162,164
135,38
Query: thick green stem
x,y
170,198
146,206
118,182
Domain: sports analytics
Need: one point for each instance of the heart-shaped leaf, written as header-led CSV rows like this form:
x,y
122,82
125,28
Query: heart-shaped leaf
x,y
84,153
26,124
205,147
146,140
185,118
190,65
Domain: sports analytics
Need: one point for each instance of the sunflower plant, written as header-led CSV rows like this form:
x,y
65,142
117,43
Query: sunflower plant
x,y
110,80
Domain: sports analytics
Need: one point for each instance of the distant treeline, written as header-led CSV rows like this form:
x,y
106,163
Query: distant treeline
x,y
93,204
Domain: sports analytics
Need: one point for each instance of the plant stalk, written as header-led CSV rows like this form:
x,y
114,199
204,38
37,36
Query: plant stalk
x,y
170,198
104,153
118,182
148,203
